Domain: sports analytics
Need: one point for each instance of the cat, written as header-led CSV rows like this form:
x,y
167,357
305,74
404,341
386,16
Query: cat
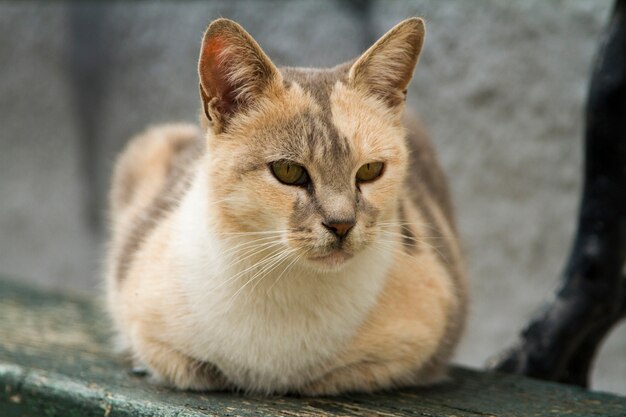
x,y
301,240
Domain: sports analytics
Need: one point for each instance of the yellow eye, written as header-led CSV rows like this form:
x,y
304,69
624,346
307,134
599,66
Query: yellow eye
x,y
369,172
289,173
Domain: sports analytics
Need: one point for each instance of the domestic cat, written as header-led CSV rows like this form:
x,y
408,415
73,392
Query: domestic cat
x,y
301,241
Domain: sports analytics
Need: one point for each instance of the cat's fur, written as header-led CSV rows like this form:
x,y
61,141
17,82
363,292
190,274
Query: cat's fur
x,y
212,277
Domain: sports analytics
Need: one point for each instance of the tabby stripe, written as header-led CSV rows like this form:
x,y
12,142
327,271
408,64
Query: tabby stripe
x,y
177,183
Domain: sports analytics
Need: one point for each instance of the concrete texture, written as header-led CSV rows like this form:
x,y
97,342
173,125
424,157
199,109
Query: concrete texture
x,y
501,86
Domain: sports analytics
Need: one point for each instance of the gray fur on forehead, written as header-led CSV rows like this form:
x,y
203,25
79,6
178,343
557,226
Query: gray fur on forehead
x,y
317,82
324,145
312,140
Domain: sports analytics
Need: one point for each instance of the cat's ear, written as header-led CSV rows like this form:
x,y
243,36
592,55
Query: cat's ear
x,y
386,68
234,72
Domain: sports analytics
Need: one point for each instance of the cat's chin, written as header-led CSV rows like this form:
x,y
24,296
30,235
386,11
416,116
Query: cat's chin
x,y
331,262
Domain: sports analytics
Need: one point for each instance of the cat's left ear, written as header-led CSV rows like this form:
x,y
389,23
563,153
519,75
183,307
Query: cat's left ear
x,y
234,72
386,68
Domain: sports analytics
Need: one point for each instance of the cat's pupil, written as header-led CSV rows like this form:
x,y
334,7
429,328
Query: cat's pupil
x,y
289,173
369,171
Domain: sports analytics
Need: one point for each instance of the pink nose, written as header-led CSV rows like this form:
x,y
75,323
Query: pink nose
x,y
339,228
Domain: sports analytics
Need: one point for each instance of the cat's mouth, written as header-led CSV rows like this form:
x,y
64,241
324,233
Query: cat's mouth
x,y
335,258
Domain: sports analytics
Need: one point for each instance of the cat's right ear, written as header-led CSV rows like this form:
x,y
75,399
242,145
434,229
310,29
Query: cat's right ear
x,y
386,69
234,72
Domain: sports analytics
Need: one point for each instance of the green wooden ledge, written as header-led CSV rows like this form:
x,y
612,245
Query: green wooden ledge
x,y
55,360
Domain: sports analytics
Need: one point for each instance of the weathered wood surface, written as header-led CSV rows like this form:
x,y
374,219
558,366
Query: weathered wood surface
x,y
55,360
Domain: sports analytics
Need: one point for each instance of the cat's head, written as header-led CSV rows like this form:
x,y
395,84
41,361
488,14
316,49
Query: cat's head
x,y
307,160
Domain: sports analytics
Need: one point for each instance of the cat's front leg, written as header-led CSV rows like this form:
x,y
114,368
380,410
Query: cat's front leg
x,y
168,366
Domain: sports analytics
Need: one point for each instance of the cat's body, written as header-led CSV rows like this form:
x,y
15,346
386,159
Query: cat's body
x,y
222,276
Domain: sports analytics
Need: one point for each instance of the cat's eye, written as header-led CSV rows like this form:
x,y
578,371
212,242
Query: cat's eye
x,y
289,173
369,172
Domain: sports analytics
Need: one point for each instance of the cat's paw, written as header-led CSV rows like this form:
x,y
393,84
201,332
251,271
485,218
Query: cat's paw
x,y
164,365
203,376
192,375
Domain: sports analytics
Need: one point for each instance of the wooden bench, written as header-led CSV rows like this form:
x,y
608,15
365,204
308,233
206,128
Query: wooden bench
x,y
56,360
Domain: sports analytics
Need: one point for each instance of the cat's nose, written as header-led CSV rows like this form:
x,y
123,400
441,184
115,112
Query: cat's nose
x,y
339,228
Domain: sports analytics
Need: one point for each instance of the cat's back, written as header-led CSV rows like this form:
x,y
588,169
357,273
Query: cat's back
x,y
150,176
425,177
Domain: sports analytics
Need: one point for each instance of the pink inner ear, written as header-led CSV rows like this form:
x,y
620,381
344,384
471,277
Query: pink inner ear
x,y
214,72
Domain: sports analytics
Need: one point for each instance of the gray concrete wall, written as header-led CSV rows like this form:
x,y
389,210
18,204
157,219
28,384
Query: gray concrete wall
x,y
501,86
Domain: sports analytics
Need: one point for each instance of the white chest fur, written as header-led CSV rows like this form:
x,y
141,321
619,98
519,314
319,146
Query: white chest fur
x,y
271,334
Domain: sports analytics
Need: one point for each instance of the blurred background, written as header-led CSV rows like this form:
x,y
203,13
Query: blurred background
x,y
500,85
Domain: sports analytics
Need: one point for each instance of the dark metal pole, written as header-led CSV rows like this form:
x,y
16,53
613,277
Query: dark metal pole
x,y
561,341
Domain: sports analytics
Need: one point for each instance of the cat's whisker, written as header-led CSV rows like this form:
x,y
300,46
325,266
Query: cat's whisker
x,y
278,232
287,268
395,250
392,228
269,264
242,248
248,269
233,278
404,237
209,284
429,245
255,251
267,272
421,239
244,252
419,225
246,242
410,244
235,245
441,255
